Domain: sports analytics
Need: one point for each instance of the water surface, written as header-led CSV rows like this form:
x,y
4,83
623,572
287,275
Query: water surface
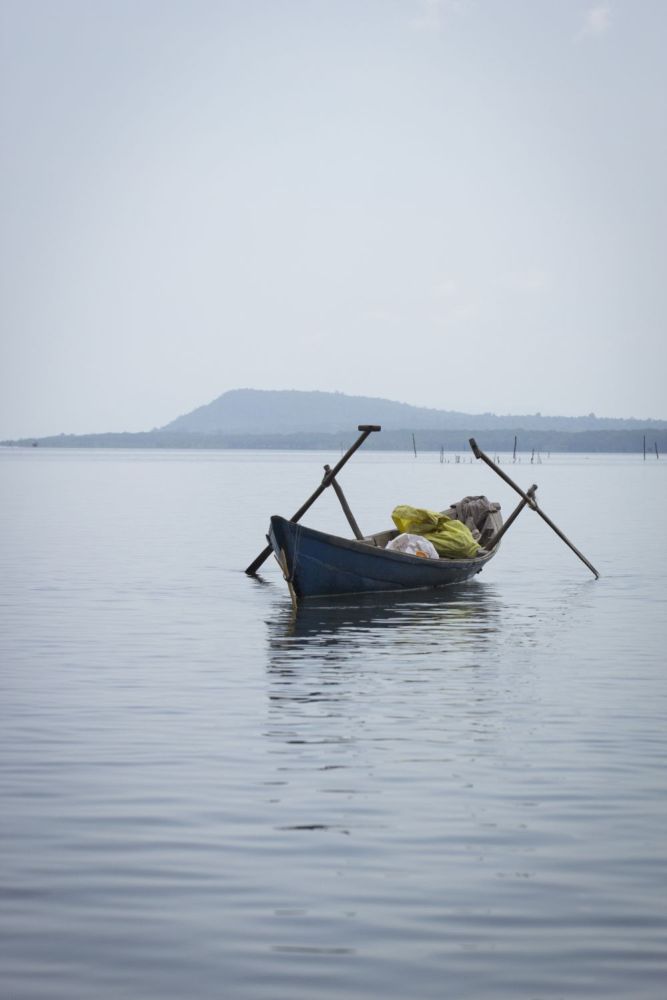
x,y
204,795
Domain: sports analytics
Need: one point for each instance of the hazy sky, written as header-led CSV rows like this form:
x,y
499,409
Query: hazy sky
x,y
453,203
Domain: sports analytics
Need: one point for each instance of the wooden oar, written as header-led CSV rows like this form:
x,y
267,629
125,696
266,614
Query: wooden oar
x,y
491,544
366,429
532,502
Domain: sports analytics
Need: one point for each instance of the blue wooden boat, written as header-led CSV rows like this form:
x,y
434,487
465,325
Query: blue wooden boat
x,y
316,564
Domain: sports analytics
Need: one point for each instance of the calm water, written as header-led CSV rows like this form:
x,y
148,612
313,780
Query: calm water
x,y
205,796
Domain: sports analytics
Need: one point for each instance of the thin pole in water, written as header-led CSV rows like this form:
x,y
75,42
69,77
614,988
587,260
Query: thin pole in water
x,y
514,455
656,449
414,445
644,447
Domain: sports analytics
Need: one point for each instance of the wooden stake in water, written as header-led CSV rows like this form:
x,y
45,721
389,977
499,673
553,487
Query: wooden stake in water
x,y
414,445
656,449
514,454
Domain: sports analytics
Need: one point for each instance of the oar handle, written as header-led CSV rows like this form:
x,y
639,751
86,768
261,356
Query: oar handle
x,y
365,429
478,453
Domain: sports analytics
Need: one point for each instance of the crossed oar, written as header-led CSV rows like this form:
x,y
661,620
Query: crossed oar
x,y
530,501
527,499
329,480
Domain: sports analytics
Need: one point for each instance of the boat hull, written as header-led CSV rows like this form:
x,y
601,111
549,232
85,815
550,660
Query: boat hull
x,y
316,564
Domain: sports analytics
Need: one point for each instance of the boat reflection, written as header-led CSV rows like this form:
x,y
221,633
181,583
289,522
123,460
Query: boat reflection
x,y
395,666
364,629
474,602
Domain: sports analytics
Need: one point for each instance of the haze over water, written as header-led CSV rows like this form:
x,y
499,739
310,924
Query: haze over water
x,y
454,795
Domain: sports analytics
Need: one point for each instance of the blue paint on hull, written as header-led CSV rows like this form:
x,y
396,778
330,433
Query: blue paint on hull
x,y
319,565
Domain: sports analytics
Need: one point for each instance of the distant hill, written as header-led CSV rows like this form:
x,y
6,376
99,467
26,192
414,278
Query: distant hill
x,y
254,418
257,411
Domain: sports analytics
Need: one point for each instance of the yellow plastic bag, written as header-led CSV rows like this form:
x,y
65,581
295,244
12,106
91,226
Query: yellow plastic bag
x,y
452,539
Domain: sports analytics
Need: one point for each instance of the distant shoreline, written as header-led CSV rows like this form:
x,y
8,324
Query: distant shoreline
x,y
501,440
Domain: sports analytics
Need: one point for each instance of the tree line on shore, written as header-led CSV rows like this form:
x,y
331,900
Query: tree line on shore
x,y
497,440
